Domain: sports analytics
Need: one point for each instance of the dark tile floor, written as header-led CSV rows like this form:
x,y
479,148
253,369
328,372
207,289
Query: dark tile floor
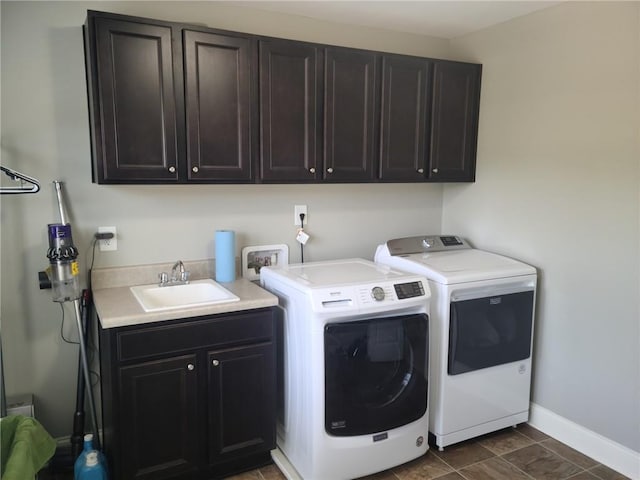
x,y
523,453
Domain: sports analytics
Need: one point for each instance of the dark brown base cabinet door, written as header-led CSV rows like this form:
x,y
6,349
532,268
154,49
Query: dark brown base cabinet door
x,y
404,118
159,424
218,105
290,95
241,402
132,103
350,115
454,121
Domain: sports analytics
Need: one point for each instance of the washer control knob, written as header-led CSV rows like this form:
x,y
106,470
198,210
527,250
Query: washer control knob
x,y
377,293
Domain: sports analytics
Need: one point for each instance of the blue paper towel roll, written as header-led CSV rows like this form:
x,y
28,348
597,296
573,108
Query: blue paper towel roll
x,y
225,255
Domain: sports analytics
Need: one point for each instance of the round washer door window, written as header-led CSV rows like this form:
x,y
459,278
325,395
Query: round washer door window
x,y
375,374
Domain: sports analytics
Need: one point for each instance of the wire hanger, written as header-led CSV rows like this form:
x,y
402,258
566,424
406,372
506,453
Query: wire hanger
x,y
23,179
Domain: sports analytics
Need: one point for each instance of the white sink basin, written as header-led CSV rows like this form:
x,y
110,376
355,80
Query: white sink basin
x,y
198,293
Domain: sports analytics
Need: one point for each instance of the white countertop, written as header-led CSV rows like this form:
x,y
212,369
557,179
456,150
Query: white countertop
x,y
117,307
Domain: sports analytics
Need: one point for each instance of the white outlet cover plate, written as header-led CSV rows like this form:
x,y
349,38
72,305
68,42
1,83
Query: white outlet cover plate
x,y
256,257
297,210
113,242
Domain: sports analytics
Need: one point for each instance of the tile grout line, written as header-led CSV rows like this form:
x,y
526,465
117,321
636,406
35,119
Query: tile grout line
x,y
515,466
584,469
533,442
445,462
501,457
590,470
496,456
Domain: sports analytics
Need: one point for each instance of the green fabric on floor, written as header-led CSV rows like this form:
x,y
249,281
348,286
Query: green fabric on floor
x,y
26,447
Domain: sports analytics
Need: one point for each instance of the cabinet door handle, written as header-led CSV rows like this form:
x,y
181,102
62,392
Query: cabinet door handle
x,y
312,170
435,170
329,170
215,363
421,170
190,367
195,169
172,169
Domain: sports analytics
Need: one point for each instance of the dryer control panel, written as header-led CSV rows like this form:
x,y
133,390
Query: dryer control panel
x,y
425,244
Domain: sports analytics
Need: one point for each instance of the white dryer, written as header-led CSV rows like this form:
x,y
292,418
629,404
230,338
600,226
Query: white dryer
x,y
482,315
353,368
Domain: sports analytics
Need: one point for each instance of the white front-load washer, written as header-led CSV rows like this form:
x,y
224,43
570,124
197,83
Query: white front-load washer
x,y
481,312
353,373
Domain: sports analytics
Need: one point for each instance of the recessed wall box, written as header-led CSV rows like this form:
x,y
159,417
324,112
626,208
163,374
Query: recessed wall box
x,y
256,257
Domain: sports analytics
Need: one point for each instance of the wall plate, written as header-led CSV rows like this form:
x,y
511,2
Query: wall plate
x,y
256,257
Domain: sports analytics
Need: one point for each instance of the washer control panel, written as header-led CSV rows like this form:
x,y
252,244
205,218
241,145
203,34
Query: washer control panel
x,y
377,293
402,290
374,295
409,290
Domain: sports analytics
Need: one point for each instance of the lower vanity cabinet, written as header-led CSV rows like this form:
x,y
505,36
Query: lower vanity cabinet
x,y
191,398
239,416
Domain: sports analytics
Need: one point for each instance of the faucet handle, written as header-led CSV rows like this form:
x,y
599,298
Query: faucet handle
x,y
164,278
184,276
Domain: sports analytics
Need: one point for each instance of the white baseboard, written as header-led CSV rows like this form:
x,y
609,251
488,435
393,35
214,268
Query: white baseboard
x,y
606,451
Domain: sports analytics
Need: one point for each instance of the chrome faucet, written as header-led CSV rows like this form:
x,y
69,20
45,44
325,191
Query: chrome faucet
x,y
179,276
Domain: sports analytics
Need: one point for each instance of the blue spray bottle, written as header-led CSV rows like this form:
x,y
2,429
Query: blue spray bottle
x,y
92,468
82,458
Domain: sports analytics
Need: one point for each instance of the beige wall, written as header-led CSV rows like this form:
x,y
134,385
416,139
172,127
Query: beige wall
x,y
558,186
45,134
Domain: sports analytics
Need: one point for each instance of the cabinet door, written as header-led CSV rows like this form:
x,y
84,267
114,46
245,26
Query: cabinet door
x,y
159,418
290,86
241,402
218,106
133,119
404,118
350,114
454,124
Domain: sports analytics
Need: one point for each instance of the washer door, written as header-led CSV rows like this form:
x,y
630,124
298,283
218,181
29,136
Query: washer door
x,y
375,374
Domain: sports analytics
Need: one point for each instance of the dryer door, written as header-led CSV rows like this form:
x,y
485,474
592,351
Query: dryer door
x,y
489,331
375,374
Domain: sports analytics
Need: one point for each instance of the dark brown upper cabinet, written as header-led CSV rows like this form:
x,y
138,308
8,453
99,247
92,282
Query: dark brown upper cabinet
x,y
132,101
454,121
168,104
218,106
404,119
300,86
290,96
177,103
350,115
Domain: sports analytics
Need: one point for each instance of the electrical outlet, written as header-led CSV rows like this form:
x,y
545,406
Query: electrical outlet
x,y
109,244
297,210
